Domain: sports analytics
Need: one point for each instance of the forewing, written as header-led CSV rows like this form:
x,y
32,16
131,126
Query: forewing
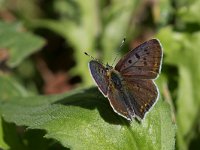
x,y
143,62
98,72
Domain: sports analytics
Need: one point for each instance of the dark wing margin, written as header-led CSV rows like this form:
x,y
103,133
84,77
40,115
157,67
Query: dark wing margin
x,y
98,72
143,62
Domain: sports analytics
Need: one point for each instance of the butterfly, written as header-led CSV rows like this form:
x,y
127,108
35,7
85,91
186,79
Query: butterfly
x,y
129,86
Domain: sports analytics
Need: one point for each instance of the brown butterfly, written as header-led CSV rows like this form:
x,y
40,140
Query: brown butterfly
x,y
129,86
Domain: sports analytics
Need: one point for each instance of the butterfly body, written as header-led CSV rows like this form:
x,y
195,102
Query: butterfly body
x,y
129,86
115,79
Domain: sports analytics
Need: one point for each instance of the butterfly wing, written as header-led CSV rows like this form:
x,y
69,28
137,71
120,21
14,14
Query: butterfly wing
x,y
144,95
134,99
143,62
98,72
120,102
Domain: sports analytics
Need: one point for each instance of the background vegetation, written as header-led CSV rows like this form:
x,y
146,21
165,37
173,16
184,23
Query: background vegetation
x,y
47,100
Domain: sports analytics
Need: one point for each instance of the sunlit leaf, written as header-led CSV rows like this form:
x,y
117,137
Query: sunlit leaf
x,y
18,43
9,87
83,120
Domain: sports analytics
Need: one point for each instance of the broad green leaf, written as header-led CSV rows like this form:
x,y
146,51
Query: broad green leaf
x,y
182,51
9,137
18,43
83,119
9,88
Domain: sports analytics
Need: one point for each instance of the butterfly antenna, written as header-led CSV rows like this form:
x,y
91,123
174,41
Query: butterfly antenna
x,y
120,47
93,58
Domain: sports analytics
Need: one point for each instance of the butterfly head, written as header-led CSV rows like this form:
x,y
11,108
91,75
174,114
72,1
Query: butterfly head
x,y
108,67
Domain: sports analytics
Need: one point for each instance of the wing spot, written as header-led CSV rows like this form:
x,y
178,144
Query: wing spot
x,y
137,56
129,61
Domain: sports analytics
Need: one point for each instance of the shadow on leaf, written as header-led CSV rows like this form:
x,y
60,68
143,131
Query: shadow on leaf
x,y
90,99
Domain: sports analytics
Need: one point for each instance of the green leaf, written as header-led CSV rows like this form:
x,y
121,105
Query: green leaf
x,y
9,87
20,44
2,142
83,119
11,136
182,51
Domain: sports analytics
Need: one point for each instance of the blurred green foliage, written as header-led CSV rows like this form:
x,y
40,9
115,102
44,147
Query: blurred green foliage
x,y
42,45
